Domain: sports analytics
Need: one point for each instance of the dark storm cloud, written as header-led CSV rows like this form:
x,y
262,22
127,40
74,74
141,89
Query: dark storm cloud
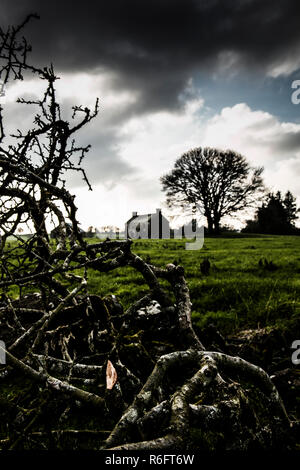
x,y
103,163
154,46
289,142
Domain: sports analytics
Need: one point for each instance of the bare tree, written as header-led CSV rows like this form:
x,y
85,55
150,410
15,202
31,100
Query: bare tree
x,y
142,377
220,182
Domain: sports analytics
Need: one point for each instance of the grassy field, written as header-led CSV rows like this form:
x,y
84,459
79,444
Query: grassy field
x,y
238,292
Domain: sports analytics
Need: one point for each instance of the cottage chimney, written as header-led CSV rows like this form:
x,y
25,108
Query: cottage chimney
x,y
158,211
134,214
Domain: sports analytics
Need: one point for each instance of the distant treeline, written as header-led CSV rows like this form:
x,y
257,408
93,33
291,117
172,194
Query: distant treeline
x,y
277,215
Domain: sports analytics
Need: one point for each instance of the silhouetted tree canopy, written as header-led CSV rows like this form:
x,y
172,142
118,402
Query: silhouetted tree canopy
x,y
219,182
275,216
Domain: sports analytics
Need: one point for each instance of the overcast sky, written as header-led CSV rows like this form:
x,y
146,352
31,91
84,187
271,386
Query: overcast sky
x,y
171,75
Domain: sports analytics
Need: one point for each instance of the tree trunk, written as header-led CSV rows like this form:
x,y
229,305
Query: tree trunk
x,y
210,226
216,227
216,223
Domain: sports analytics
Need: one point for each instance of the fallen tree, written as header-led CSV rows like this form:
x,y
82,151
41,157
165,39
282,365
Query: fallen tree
x,y
80,371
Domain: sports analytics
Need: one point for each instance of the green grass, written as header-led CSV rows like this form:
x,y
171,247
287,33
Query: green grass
x,y
237,293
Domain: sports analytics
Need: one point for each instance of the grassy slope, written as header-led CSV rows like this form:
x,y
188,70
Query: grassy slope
x,y
237,293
